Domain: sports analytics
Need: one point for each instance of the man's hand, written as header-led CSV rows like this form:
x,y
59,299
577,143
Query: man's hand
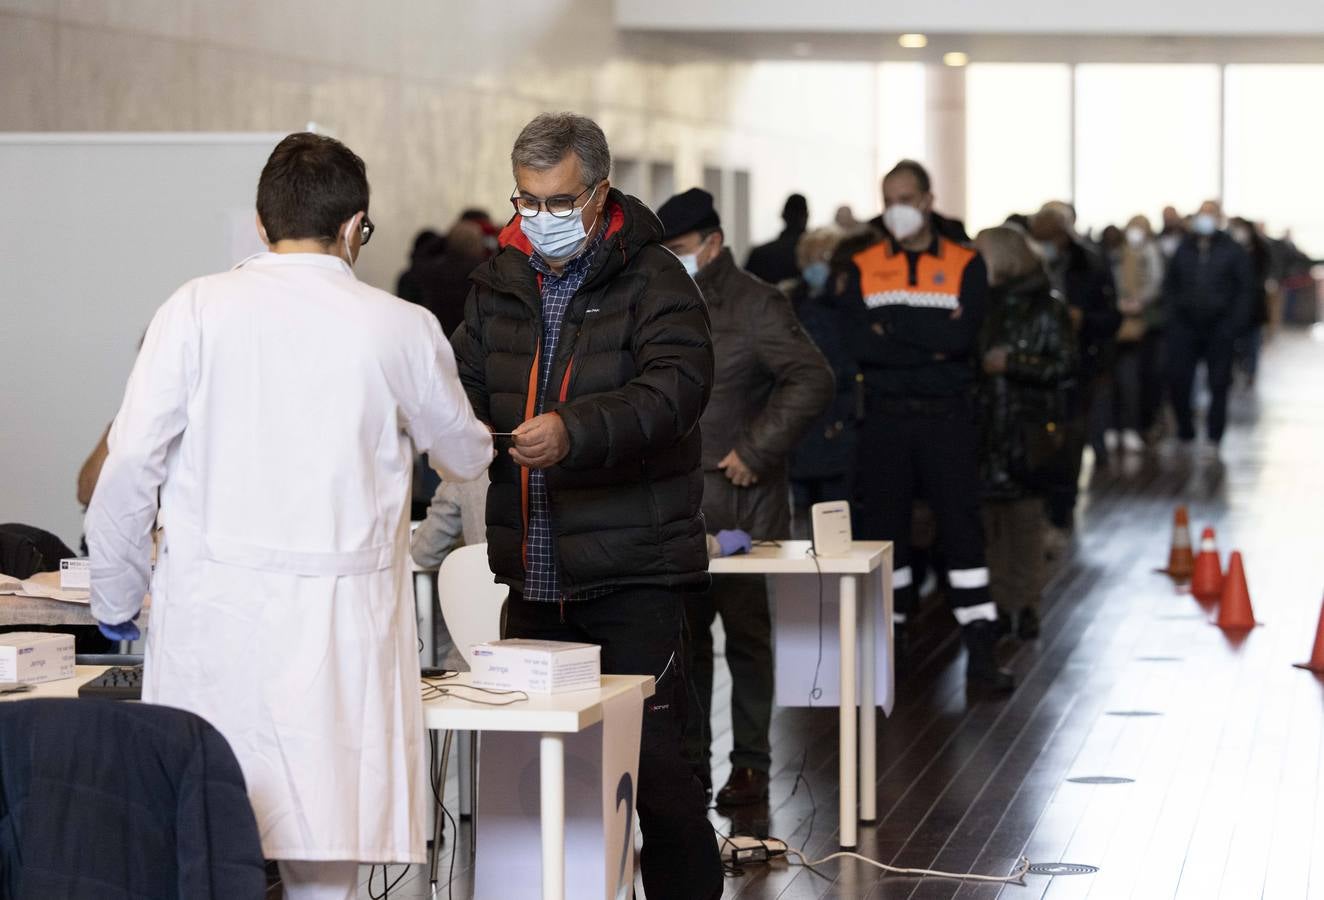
x,y
736,471
995,361
541,442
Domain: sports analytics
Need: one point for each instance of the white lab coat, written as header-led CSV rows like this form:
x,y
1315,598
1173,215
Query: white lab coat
x,y
277,407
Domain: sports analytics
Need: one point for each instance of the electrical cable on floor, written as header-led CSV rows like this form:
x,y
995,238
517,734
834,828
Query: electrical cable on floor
x,y
386,888
437,788
1016,877
815,693
766,850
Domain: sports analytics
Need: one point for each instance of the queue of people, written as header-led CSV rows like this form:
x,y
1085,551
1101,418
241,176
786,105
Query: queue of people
x,y
638,403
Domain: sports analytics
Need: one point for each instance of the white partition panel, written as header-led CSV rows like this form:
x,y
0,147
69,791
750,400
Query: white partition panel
x,y
97,230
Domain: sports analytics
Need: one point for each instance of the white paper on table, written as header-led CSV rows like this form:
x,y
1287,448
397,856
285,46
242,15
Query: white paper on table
x,y
45,586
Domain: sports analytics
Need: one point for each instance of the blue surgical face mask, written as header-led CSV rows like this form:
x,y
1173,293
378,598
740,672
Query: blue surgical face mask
x,y
1204,224
558,239
690,261
816,276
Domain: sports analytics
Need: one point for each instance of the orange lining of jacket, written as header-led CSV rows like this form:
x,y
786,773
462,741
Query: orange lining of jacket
x,y
883,270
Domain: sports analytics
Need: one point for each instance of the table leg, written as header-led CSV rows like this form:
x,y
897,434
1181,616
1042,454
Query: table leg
x,y
552,757
848,770
868,702
426,605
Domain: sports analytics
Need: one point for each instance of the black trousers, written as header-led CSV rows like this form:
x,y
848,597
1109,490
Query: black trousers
x,y
1186,348
639,630
933,448
742,601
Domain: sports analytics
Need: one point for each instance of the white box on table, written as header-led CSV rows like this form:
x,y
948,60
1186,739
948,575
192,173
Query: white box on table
x,y
535,667
31,657
75,574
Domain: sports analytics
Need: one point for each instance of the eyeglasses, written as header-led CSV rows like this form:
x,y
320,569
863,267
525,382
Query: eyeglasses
x,y
561,206
365,230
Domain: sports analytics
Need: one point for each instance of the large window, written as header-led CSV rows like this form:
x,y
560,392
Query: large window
x,y
1146,136
1018,139
1274,137
902,93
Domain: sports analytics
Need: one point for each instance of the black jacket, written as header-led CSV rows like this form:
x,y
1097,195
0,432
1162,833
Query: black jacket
x,y
827,449
770,382
916,349
1021,409
122,801
1208,287
632,375
441,285
1086,279
774,261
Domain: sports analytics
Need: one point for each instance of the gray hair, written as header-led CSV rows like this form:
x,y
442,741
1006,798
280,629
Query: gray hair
x,y
546,140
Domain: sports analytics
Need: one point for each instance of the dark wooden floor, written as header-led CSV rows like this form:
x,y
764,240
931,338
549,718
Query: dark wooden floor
x,y
1225,787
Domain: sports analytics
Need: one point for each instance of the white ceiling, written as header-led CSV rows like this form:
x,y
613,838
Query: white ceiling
x,y
1270,31
670,45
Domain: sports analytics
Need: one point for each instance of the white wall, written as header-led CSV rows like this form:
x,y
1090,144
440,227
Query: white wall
x,y
431,94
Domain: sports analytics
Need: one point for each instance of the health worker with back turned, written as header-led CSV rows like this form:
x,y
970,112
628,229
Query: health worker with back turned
x,y
277,408
918,300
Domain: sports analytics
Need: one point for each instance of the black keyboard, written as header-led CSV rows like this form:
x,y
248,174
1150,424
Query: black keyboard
x,y
116,683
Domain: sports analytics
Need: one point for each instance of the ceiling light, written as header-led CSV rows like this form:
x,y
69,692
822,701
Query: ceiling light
x,y
913,41
955,59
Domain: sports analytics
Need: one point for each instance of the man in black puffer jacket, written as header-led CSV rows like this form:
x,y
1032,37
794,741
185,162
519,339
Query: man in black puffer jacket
x,y
1208,292
585,338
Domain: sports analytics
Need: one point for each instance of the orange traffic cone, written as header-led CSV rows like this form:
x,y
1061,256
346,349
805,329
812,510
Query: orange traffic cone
x,y
1207,580
1180,561
1316,663
1234,610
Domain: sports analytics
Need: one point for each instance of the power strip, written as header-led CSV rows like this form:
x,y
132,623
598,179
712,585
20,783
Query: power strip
x,y
741,848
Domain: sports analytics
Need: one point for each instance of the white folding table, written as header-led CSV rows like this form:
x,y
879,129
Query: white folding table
x,y
553,717
865,572
66,688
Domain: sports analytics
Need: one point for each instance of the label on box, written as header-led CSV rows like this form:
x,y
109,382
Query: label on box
x,y
36,657
75,574
536,667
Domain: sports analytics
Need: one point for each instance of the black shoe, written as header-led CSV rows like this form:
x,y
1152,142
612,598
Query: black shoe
x,y
745,786
981,667
1005,622
1027,624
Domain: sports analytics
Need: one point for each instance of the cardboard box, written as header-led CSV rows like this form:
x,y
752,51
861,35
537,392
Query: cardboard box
x,y
536,667
75,574
36,657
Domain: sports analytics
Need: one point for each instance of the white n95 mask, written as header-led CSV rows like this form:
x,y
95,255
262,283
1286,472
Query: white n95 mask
x,y
902,221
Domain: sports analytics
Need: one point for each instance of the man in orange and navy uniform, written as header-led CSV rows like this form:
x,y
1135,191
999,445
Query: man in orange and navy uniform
x,y
917,302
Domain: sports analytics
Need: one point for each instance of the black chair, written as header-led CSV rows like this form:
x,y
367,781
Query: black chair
x,y
122,801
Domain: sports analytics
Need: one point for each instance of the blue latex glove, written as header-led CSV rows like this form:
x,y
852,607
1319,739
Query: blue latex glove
x,y
124,631
733,541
